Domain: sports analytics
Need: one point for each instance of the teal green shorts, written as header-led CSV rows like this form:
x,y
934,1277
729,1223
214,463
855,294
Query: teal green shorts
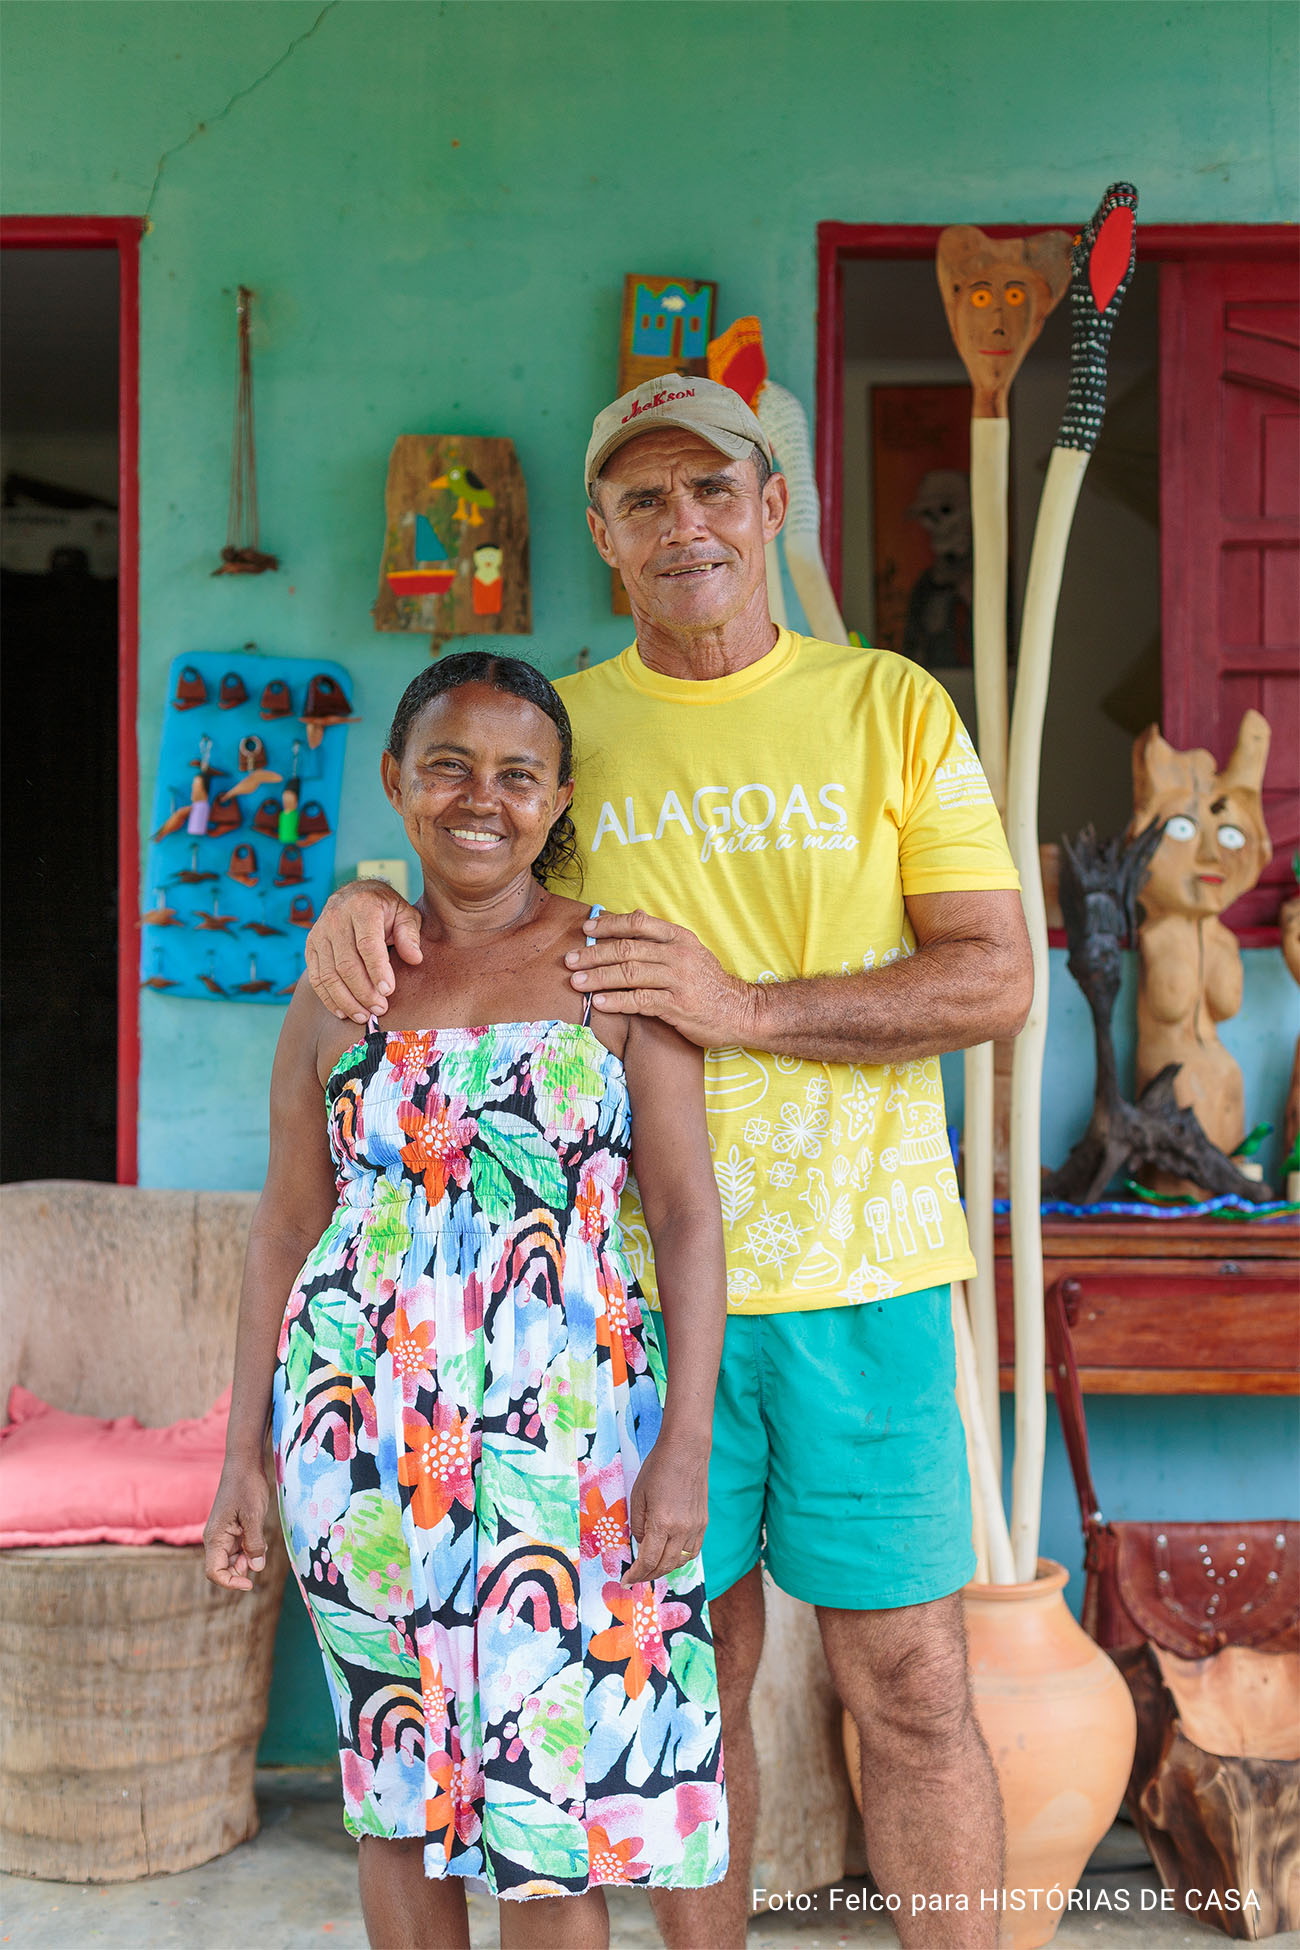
x,y
839,1455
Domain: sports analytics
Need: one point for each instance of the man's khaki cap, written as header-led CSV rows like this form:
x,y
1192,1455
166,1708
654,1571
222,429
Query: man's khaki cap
x,y
673,400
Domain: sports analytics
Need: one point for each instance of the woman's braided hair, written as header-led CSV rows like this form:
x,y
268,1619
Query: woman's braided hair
x,y
558,859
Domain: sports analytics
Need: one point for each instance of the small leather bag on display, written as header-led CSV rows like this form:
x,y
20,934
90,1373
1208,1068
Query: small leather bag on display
x,y
191,691
225,817
312,823
1191,1588
275,701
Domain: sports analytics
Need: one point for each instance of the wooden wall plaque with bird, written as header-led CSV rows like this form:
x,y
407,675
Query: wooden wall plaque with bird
x,y
455,557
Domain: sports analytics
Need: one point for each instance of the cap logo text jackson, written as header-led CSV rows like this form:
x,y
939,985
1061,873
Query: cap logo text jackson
x,y
660,399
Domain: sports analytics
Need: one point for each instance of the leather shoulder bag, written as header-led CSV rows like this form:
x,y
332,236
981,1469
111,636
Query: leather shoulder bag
x,y
1189,1587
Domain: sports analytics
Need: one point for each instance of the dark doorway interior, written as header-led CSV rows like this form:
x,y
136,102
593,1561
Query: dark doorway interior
x,y
58,725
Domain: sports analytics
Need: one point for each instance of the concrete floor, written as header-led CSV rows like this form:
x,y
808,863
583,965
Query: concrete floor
x,y
294,1886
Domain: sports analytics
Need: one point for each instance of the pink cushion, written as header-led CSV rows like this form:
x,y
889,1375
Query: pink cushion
x,y
79,1479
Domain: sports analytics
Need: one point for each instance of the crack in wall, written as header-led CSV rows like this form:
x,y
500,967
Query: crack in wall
x,y
239,95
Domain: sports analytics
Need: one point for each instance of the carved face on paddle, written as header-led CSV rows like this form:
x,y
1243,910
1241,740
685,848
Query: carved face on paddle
x,y
997,293
1215,843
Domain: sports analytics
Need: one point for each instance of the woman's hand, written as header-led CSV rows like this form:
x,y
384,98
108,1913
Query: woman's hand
x,y
234,1542
669,1508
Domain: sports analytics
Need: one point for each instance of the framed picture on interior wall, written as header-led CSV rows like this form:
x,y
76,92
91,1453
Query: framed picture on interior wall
x,y
918,443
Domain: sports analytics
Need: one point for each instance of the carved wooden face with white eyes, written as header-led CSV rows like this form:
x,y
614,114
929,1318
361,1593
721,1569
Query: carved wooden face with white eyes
x,y
1215,843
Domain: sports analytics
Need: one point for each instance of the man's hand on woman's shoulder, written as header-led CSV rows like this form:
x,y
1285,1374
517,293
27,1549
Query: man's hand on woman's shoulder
x,y
641,965
348,962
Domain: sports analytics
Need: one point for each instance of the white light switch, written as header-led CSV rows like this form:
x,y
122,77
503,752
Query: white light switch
x,y
393,871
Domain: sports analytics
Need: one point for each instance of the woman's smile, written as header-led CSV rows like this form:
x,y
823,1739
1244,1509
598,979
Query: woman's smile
x,y
474,838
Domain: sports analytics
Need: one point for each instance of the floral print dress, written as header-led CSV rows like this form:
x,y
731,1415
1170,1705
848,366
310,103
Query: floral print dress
x,y
462,1400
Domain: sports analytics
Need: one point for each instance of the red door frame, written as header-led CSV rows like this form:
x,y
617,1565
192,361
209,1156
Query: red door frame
x,y
840,242
121,234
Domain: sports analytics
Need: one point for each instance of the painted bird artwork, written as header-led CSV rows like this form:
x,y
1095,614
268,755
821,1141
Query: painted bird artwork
x,y
472,494
455,553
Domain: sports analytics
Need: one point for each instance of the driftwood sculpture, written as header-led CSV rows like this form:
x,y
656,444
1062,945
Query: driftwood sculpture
x,y
1100,885
1214,845
997,294
1215,1791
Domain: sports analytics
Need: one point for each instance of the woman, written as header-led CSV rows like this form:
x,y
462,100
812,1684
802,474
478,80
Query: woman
x,y
493,1510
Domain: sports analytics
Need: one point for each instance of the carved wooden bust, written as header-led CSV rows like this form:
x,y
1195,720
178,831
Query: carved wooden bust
x,y
1215,847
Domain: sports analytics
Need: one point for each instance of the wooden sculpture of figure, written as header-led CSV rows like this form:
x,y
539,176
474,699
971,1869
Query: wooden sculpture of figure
x,y
286,825
997,294
1214,848
1101,886
738,360
196,816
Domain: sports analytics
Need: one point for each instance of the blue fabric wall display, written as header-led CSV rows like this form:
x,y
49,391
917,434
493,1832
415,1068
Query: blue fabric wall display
x,y
227,900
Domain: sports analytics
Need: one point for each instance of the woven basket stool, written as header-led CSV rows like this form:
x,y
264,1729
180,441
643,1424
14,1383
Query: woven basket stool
x,y
133,1695
132,1692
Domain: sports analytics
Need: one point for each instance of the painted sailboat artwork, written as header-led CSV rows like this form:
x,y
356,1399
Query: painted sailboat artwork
x,y
433,574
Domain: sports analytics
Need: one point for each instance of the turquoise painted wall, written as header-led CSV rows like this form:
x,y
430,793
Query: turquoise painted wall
x,y
436,207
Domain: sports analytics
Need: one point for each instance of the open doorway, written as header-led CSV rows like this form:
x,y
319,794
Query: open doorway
x,y
67,775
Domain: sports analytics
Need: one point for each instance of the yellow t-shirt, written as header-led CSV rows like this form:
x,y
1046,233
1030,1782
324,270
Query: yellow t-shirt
x,y
782,813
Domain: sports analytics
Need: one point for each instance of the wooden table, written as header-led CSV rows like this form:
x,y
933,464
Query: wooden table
x,y
1171,1306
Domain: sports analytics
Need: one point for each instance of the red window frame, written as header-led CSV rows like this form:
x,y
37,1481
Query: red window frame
x,y
121,234
840,243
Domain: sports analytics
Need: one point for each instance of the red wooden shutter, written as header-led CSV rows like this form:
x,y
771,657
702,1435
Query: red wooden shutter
x,y
1230,528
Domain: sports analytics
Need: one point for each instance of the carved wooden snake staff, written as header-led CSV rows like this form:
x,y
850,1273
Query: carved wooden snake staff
x,y
1103,260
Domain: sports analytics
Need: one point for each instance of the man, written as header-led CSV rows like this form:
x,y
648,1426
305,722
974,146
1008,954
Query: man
x,y
777,808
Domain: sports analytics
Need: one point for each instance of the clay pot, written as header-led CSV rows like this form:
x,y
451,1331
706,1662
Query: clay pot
x,y
1060,1725
1061,1728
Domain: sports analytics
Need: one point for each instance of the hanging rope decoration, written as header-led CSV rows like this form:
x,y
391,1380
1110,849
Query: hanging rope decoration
x,y
242,555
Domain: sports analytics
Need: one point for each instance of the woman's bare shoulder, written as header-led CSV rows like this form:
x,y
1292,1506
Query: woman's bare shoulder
x,y
570,915
572,920
313,1034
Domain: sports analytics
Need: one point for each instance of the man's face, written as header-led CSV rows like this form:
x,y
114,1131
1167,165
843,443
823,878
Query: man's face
x,y
685,527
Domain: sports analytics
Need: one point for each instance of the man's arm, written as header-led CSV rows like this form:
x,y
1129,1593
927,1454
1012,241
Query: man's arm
x,y
348,963
970,981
